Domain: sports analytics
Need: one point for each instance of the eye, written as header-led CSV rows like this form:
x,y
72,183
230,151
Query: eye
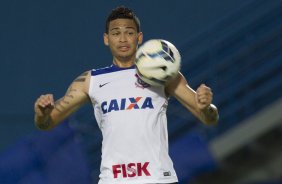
x,y
115,33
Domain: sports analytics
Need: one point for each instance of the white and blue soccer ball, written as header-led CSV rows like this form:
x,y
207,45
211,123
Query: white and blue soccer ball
x,y
157,62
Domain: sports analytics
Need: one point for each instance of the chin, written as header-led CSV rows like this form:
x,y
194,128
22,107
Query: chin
x,y
126,56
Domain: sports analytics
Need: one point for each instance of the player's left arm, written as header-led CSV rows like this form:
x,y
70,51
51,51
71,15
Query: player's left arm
x,y
198,102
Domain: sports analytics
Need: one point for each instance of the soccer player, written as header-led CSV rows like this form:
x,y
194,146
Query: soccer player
x,y
130,113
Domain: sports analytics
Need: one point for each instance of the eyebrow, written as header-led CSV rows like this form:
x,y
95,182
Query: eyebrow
x,y
117,28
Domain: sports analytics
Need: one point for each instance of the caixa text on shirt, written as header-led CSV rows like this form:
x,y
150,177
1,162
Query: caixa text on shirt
x,y
127,104
131,170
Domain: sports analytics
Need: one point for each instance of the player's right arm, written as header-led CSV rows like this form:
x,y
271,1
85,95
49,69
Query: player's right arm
x,y
49,113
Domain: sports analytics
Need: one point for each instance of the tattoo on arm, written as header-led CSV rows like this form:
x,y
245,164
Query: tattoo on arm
x,y
81,78
59,105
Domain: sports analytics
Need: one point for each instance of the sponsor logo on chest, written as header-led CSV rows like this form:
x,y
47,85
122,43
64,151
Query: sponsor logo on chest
x,y
131,170
127,104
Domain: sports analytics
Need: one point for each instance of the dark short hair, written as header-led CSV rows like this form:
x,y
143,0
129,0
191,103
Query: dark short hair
x,y
122,12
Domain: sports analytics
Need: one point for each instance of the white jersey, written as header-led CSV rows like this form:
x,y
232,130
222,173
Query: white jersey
x,y
132,118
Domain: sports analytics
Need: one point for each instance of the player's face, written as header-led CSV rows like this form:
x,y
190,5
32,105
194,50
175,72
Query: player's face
x,y
123,39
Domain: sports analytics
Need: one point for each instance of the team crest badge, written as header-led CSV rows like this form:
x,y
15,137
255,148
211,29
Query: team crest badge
x,y
141,84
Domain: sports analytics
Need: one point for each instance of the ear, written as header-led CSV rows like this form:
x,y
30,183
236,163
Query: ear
x,y
140,38
106,39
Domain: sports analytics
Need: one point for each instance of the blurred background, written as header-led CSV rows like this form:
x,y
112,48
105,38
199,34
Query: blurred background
x,y
233,46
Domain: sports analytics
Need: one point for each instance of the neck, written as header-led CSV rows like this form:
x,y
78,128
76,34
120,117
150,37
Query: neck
x,y
123,64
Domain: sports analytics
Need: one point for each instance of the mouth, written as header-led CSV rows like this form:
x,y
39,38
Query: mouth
x,y
123,48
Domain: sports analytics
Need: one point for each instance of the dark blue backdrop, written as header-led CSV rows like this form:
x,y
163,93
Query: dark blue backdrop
x,y
44,45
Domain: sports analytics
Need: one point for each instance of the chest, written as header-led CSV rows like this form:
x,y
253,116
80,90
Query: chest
x,y
124,90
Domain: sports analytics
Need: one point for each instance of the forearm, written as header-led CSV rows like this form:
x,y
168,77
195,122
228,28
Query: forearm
x,y
210,115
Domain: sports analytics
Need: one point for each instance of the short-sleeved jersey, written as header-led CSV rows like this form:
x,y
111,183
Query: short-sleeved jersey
x,y
132,117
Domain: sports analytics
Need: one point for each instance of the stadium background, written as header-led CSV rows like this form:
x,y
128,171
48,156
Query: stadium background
x,y
233,46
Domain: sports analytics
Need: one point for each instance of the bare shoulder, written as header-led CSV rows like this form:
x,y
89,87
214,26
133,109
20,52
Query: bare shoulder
x,y
82,82
77,92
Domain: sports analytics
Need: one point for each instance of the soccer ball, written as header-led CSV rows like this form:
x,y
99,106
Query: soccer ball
x,y
157,61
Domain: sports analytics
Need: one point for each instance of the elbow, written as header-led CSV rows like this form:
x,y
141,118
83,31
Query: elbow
x,y
212,121
39,127
42,127
210,115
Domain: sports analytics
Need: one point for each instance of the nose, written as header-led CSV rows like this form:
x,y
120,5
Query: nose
x,y
123,37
